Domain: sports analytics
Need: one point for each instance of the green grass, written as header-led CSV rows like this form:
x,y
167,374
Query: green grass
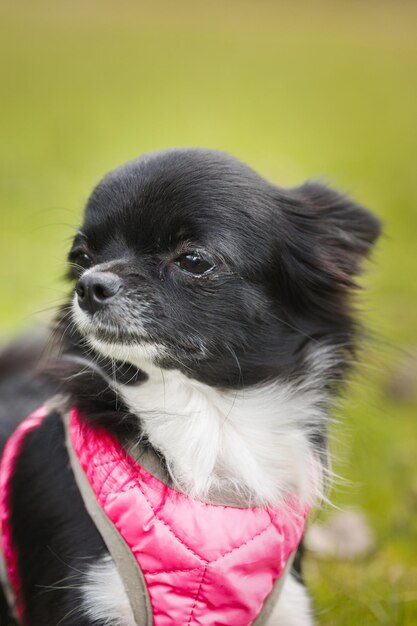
x,y
298,90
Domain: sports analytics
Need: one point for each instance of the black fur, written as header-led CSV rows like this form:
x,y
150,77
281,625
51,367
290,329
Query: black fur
x,y
23,385
283,270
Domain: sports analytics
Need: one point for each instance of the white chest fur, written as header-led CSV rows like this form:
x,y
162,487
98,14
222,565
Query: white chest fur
x,y
251,445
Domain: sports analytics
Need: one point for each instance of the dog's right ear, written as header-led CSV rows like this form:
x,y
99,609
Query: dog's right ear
x,y
328,237
344,223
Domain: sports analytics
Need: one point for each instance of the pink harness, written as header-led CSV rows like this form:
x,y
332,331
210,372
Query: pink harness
x,y
203,564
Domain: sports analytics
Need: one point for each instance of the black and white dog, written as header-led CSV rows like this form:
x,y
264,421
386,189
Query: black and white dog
x,y
211,322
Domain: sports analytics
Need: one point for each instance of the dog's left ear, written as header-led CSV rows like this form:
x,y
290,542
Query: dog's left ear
x,y
334,230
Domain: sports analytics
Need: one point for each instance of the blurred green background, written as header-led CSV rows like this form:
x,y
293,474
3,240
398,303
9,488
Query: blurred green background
x,y
297,90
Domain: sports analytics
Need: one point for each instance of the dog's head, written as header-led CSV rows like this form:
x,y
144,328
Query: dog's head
x,y
190,260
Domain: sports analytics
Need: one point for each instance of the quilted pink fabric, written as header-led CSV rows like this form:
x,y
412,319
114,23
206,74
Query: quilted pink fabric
x,y
203,564
10,454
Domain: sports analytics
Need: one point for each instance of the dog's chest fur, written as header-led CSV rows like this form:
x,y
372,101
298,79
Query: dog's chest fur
x,y
248,447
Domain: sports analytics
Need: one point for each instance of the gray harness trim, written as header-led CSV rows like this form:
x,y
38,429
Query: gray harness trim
x,y
126,564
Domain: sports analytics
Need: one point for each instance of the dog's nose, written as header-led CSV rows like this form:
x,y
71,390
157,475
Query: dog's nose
x,y
95,290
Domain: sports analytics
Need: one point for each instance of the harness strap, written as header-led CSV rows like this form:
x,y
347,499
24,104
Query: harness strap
x,y
127,567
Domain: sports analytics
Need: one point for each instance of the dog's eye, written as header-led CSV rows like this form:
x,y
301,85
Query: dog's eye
x,y
79,258
194,263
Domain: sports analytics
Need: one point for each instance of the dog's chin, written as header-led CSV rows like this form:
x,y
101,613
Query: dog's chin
x,y
142,354
118,343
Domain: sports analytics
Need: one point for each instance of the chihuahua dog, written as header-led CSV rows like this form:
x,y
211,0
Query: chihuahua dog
x,y
209,328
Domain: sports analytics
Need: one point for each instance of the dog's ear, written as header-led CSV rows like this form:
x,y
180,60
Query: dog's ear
x,y
341,231
344,223
328,237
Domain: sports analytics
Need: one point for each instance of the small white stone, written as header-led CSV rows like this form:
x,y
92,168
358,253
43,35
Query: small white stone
x,y
344,535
